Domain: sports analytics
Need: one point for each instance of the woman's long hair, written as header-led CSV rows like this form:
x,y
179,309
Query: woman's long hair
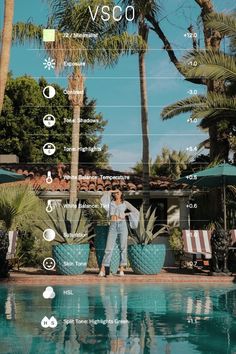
x,y
121,197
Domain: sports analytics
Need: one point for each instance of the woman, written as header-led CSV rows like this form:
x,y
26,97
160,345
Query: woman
x,y
116,207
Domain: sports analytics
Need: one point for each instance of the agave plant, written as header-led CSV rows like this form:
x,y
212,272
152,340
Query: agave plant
x,y
69,224
97,214
18,207
144,234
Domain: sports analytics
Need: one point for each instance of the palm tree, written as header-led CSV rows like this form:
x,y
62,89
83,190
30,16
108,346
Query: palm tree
x,y
73,17
143,31
143,9
212,39
216,110
213,110
6,47
171,163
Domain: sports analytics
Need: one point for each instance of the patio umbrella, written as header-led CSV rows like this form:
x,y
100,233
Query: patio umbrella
x,y
8,176
218,176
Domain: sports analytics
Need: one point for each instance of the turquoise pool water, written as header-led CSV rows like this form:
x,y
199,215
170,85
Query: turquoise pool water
x,y
119,319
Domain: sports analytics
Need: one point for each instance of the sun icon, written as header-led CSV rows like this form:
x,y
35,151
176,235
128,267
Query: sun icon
x,y
49,64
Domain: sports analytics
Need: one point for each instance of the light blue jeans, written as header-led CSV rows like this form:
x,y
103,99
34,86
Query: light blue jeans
x,y
117,228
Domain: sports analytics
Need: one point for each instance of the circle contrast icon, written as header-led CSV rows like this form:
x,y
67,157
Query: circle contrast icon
x,y
49,92
49,235
49,120
49,149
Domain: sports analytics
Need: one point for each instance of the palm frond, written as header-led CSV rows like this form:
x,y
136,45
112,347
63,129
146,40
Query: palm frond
x,y
211,108
203,144
108,50
18,206
209,65
224,23
184,106
69,49
218,107
24,32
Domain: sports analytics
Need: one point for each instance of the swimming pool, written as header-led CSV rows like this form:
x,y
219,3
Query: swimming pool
x,y
118,318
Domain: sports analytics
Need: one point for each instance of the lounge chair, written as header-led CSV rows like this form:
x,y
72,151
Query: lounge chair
x,y
198,308
198,242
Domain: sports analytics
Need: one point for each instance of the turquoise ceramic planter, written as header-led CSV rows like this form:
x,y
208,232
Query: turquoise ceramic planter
x,y
147,259
71,259
100,244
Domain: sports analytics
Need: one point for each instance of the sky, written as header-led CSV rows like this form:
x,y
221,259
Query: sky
x,y
116,90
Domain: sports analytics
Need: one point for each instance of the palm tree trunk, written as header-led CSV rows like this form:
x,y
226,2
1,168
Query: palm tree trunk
x,y
76,83
74,155
6,47
144,122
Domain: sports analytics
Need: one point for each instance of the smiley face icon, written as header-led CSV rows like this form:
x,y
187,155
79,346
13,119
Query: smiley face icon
x,y
49,120
49,263
49,149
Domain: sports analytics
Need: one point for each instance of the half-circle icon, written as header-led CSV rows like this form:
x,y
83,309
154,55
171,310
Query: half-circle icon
x,y
49,92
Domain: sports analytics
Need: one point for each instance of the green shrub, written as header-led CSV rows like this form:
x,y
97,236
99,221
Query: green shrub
x,y
176,241
19,207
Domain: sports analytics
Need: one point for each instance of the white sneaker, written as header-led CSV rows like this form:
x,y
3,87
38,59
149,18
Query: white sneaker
x,y
121,274
101,274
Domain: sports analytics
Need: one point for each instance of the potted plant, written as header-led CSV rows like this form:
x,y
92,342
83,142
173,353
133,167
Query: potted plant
x,y
145,256
98,217
71,249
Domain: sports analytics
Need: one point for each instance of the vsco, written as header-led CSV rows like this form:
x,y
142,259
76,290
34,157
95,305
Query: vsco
x,y
115,13
117,176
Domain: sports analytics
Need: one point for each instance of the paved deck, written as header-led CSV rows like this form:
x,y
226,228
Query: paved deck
x,y
170,275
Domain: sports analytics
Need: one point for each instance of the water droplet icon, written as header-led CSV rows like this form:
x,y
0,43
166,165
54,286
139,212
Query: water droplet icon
x,y
45,322
53,322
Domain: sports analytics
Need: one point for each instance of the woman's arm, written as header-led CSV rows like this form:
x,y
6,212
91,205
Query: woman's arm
x,y
131,208
106,200
133,215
